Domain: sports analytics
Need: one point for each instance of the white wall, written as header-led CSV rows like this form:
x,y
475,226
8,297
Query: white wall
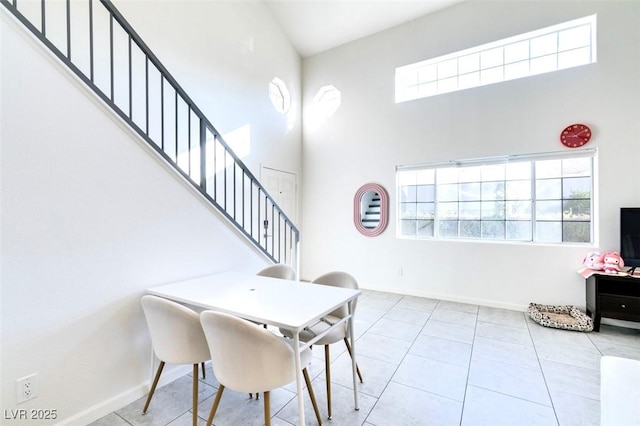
x,y
90,217
370,135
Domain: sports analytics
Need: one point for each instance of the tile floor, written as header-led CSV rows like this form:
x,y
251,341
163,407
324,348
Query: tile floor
x,y
427,362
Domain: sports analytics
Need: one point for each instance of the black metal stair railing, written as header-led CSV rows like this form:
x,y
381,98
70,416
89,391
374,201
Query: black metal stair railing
x,y
95,42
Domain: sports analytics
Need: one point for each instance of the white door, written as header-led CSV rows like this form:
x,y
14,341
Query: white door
x,y
283,187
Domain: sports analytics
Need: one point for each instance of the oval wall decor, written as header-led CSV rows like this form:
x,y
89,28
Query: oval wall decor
x,y
371,209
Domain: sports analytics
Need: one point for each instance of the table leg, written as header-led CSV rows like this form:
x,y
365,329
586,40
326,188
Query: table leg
x,y
354,364
299,379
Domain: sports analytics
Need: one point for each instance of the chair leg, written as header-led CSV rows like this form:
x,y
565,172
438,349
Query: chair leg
x,y
153,387
195,394
204,373
327,370
312,395
214,407
267,409
346,342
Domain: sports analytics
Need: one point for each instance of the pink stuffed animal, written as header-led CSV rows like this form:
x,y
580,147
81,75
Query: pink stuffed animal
x,y
612,262
593,261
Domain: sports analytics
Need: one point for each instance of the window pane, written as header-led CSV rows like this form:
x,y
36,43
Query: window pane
x,y
576,188
427,74
549,210
574,58
447,68
493,230
425,210
493,210
576,232
448,175
469,210
405,178
493,172
519,231
424,228
408,211
425,193
491,58
408,228
469,63
548,189
448,192
518,190
577,210
491,75
518,210
520,170
447,211
408,193
574,37
470,191
544,45
516,52
549,232
470,229
427,89
469,174
447,85
548,168
576,167
424,177
543,64
493,190
448,228
516,70
469,80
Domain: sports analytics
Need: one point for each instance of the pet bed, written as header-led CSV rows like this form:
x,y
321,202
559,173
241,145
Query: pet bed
x,y
565,317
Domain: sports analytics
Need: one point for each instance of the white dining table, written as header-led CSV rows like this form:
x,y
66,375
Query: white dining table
x,y
291,305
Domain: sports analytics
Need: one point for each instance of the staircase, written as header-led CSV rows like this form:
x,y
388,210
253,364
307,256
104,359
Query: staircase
x,y
106,54
371,214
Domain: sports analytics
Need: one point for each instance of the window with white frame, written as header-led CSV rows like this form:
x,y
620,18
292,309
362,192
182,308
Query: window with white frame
x,y
538,198
561,46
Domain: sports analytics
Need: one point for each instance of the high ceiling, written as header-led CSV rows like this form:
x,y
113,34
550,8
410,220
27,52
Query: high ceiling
x,y
314,26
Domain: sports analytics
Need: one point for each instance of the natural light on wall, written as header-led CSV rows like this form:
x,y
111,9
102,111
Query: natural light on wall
x,y
279,95
325,103
554,48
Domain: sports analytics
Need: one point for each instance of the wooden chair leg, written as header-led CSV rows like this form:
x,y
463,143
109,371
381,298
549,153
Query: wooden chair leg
x,y
327,370
346,342
267,409
214,407
204,373
153,387
312,395
195,395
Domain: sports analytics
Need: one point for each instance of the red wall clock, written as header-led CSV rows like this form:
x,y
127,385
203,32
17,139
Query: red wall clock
x,y
575,135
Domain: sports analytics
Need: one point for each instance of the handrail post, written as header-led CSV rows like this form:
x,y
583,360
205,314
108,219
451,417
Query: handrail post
x,y
203,154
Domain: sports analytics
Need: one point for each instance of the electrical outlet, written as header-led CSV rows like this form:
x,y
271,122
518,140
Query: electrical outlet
x,y
27,388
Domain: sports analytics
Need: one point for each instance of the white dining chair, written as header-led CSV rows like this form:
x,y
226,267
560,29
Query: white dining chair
x,y
341,333
234,344
177,338
279,270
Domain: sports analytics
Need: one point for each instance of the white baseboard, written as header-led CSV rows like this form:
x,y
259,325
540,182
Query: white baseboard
x,y
125,398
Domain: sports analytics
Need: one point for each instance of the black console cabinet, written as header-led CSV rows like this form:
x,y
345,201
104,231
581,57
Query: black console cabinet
x,y
613,296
